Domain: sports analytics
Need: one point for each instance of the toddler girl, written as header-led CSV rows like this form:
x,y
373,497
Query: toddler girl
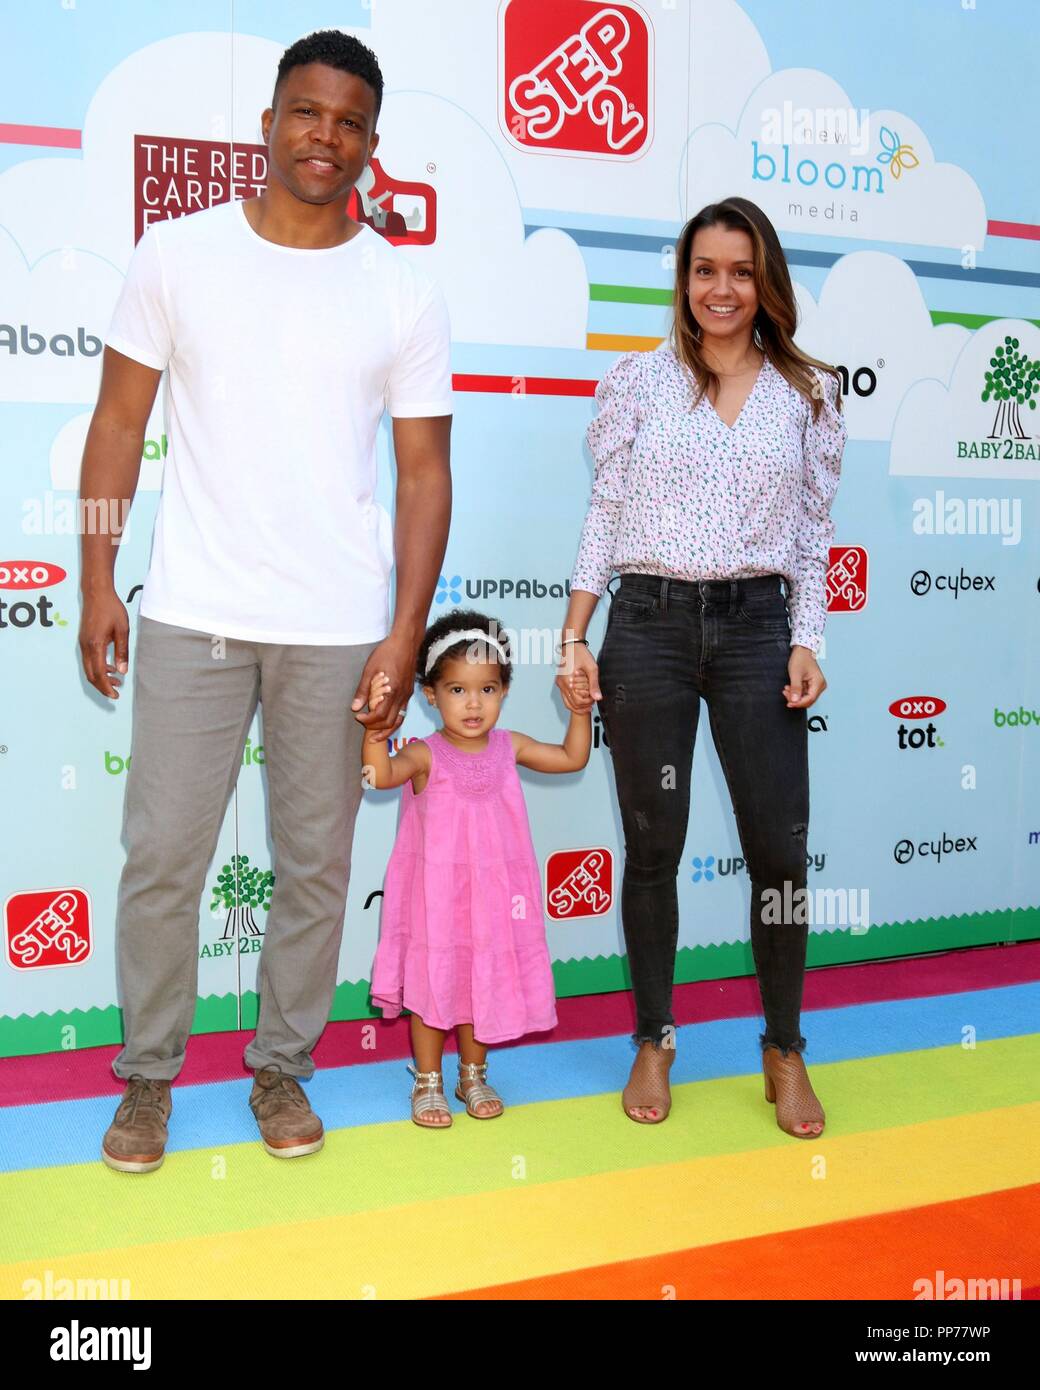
x,y
462,939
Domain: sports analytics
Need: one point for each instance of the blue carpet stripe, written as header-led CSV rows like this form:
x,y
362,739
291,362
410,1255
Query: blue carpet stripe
x,y
217,1114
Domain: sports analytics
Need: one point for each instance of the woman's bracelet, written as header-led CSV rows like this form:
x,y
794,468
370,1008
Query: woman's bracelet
x,y
560,645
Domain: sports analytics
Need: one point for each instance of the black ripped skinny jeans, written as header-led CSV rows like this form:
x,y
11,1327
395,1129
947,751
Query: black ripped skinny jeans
x,y
668,643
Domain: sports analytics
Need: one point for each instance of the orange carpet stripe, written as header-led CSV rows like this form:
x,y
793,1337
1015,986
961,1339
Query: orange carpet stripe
x,y
992,1236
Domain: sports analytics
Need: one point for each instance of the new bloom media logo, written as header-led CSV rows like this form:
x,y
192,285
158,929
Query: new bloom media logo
x,y
576,77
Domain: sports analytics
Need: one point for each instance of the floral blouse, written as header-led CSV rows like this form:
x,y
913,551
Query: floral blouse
x,y
680,494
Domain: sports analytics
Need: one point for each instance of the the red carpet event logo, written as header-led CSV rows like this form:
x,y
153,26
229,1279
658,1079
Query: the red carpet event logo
x,y
174,177
847,579
579,883
576,77
49,928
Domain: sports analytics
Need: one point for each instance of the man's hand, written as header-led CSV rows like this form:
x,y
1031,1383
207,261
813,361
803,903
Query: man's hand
x,y
807,682
394,658
104,621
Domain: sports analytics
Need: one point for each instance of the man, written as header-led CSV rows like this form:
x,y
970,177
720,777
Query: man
x,y
285,328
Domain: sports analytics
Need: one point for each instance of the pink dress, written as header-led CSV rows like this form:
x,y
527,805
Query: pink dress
x,y
462,936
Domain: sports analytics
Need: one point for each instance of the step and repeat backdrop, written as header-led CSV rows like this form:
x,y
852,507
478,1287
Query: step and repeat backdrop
x,y
538,157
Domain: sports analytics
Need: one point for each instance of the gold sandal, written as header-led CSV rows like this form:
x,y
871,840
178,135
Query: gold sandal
x,y
789,1089
479,1092
428,1098
648,1087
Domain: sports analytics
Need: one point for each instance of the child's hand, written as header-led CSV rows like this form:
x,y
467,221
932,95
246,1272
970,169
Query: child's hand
x,y
378,689
580,686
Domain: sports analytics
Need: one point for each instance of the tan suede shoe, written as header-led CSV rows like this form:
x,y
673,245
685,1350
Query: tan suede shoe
x,y
135,1141
289,1127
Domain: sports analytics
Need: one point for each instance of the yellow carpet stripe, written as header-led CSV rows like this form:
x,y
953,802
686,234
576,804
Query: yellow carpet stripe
x,y
444,1244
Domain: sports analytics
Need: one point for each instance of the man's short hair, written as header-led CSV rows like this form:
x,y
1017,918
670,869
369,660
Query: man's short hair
x,y
335,50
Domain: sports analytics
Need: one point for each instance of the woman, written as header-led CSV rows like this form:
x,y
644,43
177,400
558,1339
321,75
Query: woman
x,y
717,460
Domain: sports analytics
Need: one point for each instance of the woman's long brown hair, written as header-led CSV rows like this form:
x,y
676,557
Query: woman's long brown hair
x,y
777,316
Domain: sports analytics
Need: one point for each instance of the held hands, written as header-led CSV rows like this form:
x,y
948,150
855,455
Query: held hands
x,y
578,679
379,691
807,680
394,660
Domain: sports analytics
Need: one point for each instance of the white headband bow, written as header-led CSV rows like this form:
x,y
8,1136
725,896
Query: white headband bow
x,y
451,638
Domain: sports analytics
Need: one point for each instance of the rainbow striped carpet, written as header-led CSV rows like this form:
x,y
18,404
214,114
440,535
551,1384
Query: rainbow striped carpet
x,y
929,1168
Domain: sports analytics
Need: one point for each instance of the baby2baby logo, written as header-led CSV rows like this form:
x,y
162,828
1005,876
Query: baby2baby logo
x,y
576,77
240,888
983,425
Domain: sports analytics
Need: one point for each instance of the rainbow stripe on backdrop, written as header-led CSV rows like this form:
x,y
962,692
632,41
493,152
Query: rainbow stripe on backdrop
x,y
930,1165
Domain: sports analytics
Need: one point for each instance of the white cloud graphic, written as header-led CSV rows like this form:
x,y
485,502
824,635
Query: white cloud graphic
x,y
940,425
871,309
500,287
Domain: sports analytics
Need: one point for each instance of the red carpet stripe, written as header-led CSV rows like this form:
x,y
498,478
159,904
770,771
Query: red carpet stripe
x,y
994,1236
218,1056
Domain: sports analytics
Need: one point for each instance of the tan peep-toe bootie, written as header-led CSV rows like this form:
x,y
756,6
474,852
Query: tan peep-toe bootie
x,y
789,1089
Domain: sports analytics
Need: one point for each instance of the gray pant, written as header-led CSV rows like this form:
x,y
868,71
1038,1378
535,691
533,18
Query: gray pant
x,y
193,705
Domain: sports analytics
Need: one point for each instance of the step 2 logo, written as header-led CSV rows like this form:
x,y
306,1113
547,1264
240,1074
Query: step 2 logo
x,y
576,77
27,577
847,579
579,883
47,928
918,707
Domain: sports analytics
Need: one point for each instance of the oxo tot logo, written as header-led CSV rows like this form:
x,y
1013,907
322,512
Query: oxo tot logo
x,y
27,577
576,77
917,708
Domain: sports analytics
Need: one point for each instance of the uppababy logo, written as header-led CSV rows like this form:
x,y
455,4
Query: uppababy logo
x,y
576,77
579,883
706,868
20,338
452,590
47,929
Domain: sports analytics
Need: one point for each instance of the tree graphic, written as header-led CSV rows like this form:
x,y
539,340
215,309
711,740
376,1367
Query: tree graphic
x,y
240,889
1014,381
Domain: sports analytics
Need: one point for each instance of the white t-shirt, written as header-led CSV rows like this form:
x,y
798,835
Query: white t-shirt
x,y
280,363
